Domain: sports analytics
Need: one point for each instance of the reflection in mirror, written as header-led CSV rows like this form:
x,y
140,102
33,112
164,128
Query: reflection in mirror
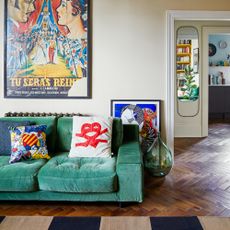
x,y
187,64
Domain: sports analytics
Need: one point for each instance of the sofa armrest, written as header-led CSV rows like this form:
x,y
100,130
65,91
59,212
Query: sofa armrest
x,y
129,153
130,172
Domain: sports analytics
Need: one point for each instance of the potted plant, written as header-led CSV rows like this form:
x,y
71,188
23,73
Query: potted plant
x,y
190,89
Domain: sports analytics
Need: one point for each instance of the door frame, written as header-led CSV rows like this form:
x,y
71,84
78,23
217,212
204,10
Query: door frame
x,y
173,15
206,31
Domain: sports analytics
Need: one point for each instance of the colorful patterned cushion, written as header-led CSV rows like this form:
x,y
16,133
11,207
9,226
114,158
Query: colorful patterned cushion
x,y
5,143
28,142
91,137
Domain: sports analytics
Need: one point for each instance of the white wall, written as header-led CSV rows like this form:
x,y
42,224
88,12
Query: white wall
x,y
129,55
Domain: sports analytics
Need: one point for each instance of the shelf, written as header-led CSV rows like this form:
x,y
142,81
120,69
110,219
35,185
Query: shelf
x,y
183,62
180,71
183,45
183,54
220,85
183,57
219,66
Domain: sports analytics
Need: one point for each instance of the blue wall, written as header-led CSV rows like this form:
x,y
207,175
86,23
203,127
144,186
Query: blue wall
x,y
221,54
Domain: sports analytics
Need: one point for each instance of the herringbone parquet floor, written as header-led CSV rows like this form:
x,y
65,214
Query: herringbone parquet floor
x,y
199,184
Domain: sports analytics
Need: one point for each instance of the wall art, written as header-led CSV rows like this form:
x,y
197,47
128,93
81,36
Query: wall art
x,y
144,113
47,49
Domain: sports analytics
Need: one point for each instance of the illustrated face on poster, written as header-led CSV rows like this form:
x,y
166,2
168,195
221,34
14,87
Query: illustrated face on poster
x,y
46,48
20,10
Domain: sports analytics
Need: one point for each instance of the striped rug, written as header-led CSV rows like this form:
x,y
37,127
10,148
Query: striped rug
x,y
113,223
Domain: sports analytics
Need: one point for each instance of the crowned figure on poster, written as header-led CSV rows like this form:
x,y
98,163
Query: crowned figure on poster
x,y
45,51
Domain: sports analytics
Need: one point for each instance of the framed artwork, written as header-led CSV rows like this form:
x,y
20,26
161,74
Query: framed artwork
x,y
144,113
195,60
47,52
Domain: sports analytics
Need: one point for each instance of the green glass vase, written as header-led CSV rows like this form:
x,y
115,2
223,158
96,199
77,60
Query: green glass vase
x,y
158,159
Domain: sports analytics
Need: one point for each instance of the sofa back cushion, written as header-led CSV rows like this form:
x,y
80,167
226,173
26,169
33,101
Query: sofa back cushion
x,y
50,122
117,135
64,134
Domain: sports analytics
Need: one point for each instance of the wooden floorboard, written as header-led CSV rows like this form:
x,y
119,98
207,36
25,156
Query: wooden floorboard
x,y
198,185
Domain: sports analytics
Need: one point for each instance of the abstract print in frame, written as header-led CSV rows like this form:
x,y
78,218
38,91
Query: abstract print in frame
x,y
144,113
47,49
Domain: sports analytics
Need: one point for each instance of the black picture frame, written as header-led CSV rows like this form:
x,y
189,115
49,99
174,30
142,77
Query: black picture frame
x,y
116,111
28,86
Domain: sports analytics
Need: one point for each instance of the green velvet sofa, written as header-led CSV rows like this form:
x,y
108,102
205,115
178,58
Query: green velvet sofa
x,y
118,179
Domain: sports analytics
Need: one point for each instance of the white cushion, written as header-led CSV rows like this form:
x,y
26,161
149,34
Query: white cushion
x,y
91,137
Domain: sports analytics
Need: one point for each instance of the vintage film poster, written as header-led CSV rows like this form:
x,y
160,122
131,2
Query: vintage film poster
x,y
46,49
144,113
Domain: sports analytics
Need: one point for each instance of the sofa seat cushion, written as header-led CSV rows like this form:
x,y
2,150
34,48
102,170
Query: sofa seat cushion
x,y
19,177
78,175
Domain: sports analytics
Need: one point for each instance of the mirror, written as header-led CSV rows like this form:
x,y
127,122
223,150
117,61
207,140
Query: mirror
x,y
187,64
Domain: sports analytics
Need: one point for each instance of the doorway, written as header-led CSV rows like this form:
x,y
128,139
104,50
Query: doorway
x,y
172,16
218,71
191,114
